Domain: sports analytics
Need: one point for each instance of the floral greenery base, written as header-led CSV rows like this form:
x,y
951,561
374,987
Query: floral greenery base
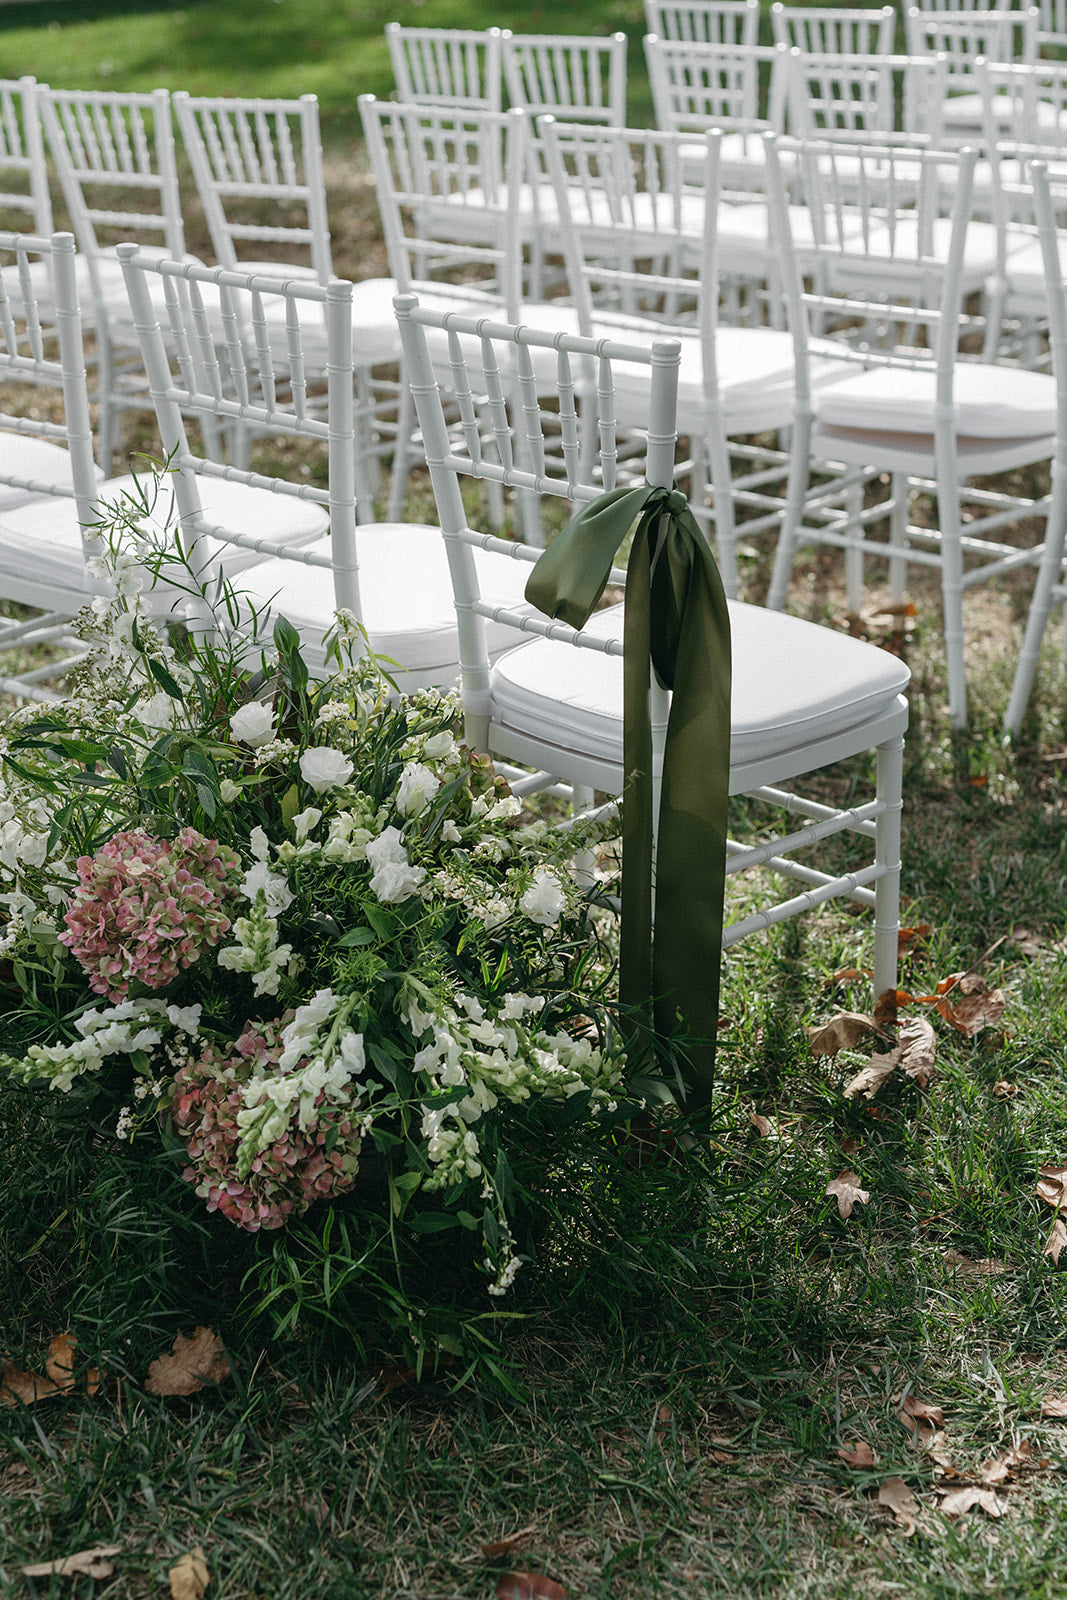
x,y
294,929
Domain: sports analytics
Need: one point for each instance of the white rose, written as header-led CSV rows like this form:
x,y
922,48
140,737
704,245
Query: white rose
x,y
275,888
416,789
544,900
395,881
387,847
253,724
158,712
322,767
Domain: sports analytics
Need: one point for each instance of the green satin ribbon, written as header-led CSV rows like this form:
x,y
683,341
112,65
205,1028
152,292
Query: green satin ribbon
x,y
677,619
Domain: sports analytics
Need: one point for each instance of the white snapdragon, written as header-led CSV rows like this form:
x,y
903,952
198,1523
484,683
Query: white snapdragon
x,y
394,879
273,886
544,901
256,950
417,787
323,768
253,724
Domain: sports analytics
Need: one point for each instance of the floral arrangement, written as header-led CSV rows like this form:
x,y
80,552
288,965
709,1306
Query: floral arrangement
x,y
291,925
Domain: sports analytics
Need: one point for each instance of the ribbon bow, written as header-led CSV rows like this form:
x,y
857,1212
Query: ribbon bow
x,y
677,618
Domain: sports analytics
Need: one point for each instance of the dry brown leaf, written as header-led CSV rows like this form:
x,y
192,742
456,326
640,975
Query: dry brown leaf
x,y
763,1125
528,1586
23,1388
1054,1405
842,1032
189,1576
968,1004
1027,942
918,1047
984,1267
59,1365
1056,1240
910,936
846,1190
189,1365
860,1455
887,1005
1003,1089
957,1501
895,1494
1052,1186
919,1415
83,1564
500,1547
846,975
870,1078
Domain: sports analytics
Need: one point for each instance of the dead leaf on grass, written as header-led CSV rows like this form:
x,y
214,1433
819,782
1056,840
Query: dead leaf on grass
x,y
887,1005
918,1416
189,1576
1052,1186
859,1455
23,1388
1054,1405
984,1267
1056,1240
846,975
957,1501
83,1564
59,1365
529,1586
968,1004
1026,941
846,1190
870,1078
500,1547
1003,1089
842,1032
189,1365
918,1047
763,1125
909,936
895,1494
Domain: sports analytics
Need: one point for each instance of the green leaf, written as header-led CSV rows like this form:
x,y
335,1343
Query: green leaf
x,y
357,936
490,1227
81,749
116,760
433,1222
285,636
164,678
384,923
468,1220
290,804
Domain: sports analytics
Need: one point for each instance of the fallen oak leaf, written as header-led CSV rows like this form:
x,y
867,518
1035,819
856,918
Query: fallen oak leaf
x,y
500,1547
1004,1090
1052,1186
985,1266
910,936
82,1564
189,1576
843,1032
870,1078
1056,1240
957,1501
846,975
1054,1405
859,1455
59,1365
887,1005
763,1125
189,1365
917,1415
968,1004
918,1049
895,1494
846,1190
23,1388
529,1586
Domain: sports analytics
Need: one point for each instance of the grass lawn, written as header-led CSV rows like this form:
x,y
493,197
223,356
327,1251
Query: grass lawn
x,y
704,1340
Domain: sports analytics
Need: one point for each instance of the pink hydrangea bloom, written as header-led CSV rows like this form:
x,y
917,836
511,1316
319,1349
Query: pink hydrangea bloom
x,y
286,1178
146,908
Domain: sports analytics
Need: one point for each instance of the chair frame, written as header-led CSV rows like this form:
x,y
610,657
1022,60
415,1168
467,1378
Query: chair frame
x,y
447,66
834,30
728,22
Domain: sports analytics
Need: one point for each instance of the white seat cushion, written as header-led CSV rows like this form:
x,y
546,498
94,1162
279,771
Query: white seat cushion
x,y
793,683
42,540
991,402
405,596
37,459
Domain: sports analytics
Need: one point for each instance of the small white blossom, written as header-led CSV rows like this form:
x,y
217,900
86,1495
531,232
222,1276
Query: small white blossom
x,y
416,789
323,768
544,901
253,724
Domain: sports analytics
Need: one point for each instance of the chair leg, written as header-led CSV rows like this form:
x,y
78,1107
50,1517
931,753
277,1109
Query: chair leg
x,y
949,523
1049,576
898,535
887,852
793,514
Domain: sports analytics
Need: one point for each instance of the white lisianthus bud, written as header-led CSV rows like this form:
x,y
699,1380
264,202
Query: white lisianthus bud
x,y
228,791
544,900
416,789
253,724
304,821
322,768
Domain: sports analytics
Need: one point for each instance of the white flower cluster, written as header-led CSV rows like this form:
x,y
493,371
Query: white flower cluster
x,y
122,1029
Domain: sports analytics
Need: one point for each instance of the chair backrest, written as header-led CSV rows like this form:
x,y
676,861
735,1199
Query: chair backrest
x,y
837,92
448,183
253,162
211,350
580,78
22,156
539,450
883,283
106,145
1052,24
699,86
704,21
447,66
1024,106
41,345
998,34
829,30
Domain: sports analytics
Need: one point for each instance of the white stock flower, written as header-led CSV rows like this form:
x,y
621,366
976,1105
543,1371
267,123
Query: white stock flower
x,y
544,900
322,768
387,847
395,881
275,887
259,844
416,789
253,724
